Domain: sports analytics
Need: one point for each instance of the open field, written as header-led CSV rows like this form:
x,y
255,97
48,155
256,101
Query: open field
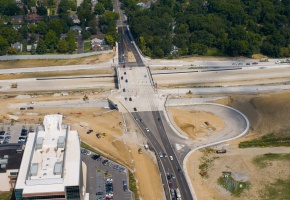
x,y
56,74
267,113
57,62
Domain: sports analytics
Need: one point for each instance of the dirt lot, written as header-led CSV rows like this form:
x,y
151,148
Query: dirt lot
x,y
104,121
58,62
267,113
196,123
56,74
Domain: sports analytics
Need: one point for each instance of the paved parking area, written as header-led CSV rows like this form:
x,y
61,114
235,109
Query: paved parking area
x,y
14,131
97,173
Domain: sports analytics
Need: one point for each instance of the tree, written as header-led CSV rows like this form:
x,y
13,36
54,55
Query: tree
x,y
33,49
3,46
9,33
62,46
50,39
109,39
56,26
63,6
86,34
41,10
12,51
41,47
41,28
99,8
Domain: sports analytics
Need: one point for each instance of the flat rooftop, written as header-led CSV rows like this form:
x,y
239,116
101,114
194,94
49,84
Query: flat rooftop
x,y
51,158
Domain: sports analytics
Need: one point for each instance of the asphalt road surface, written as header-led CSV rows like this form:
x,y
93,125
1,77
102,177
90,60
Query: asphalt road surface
x,y
161,144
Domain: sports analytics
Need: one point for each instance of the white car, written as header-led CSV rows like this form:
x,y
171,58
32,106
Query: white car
x,y
170,157
147,129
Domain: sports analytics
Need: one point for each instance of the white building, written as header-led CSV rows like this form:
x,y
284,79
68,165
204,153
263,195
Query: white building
x,y
51,164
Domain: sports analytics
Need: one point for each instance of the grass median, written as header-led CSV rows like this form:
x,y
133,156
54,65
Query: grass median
x,y
270,140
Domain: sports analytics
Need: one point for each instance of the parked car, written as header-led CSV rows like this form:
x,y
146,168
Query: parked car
x,y
135,109
22,108
24,132
255,63
221,151
170,157
98,135
89,131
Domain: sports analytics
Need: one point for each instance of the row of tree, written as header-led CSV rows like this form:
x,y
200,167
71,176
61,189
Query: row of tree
x,y
238,27
106,19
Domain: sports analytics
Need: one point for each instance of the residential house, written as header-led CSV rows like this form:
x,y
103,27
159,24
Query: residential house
x,y
10,160
75,19
16,27
18,46
33,9
17,19
77,29
62,36
34,17
29,47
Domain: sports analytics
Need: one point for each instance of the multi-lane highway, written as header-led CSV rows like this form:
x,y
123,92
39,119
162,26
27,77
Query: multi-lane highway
x,y
139,98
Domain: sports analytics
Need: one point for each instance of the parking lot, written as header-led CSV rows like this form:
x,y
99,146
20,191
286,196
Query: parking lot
x,y
105,178
15,133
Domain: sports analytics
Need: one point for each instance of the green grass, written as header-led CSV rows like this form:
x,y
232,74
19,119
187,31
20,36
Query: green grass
x,y
269,140
84,145
133,185
6,195
87,46
265,160
233,186
213,52
278,190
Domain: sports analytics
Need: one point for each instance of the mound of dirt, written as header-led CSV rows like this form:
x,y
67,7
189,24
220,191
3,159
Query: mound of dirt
x,y
196,123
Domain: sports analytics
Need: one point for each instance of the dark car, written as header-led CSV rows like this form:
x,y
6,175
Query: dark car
x,y
248,64
121,77
99,193
30,108
221,151
95,156
126,80
89,131
24,132
135,109
124,66
2,132
125,73
255,63
22,108
98,135
130,99
124,90
179,170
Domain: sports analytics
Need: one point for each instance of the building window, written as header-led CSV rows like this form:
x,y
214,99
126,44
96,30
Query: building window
x,y
73,193
45,197
13,173
18,194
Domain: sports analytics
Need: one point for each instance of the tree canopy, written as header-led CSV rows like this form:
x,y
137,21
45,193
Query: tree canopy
x,y
234,28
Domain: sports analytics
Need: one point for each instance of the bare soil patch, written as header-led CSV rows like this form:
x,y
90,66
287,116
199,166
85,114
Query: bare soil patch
x,y
112,141
57,62
56,74
267,113
196,123
131,57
